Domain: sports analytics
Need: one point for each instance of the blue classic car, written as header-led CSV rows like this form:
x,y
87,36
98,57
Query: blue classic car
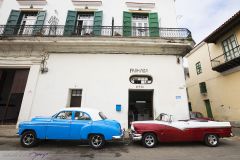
x,y
71,124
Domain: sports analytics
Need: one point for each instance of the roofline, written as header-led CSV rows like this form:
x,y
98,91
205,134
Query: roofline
x,y
224,28
199,45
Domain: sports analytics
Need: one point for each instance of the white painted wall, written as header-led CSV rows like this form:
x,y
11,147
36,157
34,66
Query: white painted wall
x,y
104,79
110,8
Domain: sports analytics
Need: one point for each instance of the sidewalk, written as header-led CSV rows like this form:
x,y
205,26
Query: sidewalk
x,y
8,131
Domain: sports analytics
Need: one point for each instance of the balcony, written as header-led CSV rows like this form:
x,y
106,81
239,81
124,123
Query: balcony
x,y
93,31
227,60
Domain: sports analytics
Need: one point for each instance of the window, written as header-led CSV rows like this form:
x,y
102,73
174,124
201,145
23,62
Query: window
x,y
76,98
84,23
140,25
64,115
141,79
230,48
28,20
81,116
203,87
198,68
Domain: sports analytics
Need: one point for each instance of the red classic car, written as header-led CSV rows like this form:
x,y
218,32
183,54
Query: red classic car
x,y
163,129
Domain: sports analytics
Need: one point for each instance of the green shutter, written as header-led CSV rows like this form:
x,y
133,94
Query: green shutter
x,y
153,25
39,22
127,24
97,25
203,87
70,23
12,22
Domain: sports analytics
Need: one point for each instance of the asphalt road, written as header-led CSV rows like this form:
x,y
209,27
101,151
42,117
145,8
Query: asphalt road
x,y
10,149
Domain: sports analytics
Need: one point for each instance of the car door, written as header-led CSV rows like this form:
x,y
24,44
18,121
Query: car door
x,y
81,120
175,132
59,127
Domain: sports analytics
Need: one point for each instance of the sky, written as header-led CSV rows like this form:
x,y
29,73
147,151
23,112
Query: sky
x,y
202,17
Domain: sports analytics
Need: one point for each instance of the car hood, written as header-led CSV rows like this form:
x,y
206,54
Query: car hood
x,y
42,119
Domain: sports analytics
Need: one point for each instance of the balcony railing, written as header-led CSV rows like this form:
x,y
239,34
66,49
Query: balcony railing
x,y
108,31
227,60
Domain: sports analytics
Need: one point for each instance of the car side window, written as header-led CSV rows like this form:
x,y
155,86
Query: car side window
x,y
64,115
81,116
199,115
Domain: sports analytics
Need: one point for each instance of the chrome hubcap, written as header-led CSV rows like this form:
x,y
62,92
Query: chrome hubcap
x,y
212,139
149,140
97,140
28,139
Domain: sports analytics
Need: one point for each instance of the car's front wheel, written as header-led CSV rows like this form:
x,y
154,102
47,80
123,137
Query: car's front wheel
x,y
28,139
149,140
96,141
211,140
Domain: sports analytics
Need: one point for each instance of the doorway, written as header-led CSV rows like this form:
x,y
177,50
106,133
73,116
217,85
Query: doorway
x,y
140,105
12,87
208,108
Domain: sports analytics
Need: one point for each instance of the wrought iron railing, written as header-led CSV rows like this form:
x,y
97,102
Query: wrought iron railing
x,y
72,31
226,57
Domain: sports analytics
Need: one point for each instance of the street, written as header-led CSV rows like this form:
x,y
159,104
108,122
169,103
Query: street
x,y
10,149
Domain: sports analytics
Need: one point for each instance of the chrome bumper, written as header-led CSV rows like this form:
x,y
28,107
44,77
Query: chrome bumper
x,y
135,136
118,137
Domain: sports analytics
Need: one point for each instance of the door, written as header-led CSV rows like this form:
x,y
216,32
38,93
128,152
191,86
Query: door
x,y
208,108
12,88
27,23
140,25
85,23
59,127
140,105
80,120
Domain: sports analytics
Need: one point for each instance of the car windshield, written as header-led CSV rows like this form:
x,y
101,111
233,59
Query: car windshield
x,y
163,117
193,115
102,116
199,115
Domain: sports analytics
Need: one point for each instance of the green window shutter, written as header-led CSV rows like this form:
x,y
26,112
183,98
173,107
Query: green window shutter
x,y
39,22
70,23
153,25
97,25
127,24
12,22
203,87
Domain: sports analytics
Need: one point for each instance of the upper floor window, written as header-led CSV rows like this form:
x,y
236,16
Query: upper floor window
x,y
203,87
198,68
140,25
230,48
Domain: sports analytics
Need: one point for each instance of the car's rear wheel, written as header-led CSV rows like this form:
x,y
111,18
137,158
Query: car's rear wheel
x,y
28,139
211,140
96,141
149,140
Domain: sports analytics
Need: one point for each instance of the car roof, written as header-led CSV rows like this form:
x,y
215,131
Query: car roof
x,y
94,113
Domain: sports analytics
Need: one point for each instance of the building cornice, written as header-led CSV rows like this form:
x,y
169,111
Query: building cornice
x,y
33,46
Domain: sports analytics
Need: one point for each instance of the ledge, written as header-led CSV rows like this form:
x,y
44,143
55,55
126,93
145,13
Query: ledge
x,y
33,46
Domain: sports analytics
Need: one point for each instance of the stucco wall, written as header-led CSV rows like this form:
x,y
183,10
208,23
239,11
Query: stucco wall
x,y
222,88
110,8
104,80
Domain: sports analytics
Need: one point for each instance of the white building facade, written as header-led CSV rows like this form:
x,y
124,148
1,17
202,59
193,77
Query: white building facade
x,y
123,57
